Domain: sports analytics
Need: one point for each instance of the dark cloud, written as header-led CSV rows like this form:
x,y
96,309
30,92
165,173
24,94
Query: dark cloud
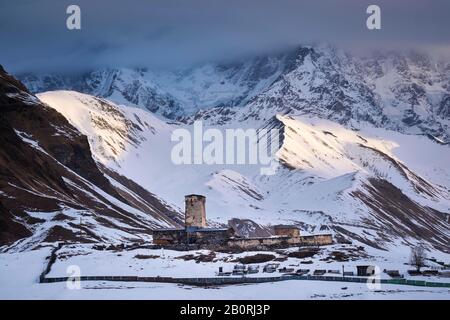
x,y
172,33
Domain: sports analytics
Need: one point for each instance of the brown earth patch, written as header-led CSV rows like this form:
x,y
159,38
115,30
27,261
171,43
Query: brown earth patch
x,y
144,257
257,258
305,253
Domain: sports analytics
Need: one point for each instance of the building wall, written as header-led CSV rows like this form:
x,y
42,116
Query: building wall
x,y
219,237
282,241
195,213
320,240
287,231
201,237
222,238
255,243
168,237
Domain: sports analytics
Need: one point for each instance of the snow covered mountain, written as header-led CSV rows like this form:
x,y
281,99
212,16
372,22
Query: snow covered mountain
x,y
367,185
171,94
351,130
405,92
50,187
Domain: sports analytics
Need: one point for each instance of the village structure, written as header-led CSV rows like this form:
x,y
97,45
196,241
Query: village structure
x,y
196,234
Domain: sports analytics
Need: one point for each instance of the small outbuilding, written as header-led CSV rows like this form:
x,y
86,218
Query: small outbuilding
x,y
365,271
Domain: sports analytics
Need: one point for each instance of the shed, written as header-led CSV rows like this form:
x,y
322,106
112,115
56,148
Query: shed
x,y
365,271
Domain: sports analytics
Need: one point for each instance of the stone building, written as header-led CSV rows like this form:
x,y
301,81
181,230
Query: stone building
x,y
195,230
365,271
284,230
166,237
194,211
277,242
195,234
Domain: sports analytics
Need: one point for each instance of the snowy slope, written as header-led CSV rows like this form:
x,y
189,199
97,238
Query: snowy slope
x,y
51,188
364,184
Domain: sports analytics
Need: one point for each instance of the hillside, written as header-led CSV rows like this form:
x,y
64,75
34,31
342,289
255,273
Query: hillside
x,y
366,185
52,189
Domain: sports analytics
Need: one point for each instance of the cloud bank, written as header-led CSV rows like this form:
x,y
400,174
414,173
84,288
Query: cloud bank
x,y
174,33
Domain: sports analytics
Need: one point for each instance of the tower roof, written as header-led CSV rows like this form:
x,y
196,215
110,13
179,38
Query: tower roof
x,y
194,195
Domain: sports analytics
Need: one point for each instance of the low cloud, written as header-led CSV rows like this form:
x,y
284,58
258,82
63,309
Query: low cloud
x,y
174,33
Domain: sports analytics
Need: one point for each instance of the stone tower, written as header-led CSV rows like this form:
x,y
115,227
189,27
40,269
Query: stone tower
x,y
195,213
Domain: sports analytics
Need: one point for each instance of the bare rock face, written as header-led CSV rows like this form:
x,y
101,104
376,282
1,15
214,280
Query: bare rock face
x,y
49,180
26,114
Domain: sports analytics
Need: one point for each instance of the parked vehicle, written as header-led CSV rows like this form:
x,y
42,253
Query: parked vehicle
x,y
334,271
271,267
239,270
286,270
253,269
393,273
430,272
302,272
319,272
414,273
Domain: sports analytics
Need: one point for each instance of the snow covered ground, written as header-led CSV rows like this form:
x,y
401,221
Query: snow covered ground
x,y
169,263
285,290
19,273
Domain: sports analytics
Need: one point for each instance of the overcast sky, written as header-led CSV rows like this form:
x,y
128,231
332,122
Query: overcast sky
x,y
173,33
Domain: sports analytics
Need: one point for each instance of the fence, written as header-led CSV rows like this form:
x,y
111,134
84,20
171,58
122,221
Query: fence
x,y
51,261
242,280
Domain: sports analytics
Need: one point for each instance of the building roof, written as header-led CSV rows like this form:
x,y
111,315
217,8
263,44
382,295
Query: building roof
x,y
191,229
168,229
194,195
197,229
284,226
